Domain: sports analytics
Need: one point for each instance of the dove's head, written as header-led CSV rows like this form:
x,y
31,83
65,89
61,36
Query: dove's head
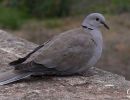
x,y
94,21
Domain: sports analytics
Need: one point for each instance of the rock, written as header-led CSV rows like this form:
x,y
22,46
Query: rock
x,y
101,86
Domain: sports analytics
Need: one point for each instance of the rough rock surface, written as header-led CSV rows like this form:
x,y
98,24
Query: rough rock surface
x,y
100,86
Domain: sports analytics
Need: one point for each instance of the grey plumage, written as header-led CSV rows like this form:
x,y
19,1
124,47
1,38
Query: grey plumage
x,y
11,76
69,53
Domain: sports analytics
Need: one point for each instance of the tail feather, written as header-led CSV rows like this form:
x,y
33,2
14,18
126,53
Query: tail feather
x,y
11,76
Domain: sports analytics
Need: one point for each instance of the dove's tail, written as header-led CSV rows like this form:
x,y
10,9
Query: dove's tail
x,y
12,76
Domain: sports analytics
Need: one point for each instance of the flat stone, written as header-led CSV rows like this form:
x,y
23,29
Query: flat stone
x,y
101,86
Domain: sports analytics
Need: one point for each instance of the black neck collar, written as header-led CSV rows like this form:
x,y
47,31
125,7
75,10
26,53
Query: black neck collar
x,y
87,27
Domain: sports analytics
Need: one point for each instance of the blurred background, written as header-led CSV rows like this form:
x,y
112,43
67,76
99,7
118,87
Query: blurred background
x,y
40,20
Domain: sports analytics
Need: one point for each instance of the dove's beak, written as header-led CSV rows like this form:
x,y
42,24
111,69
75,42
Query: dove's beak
x,y
105,25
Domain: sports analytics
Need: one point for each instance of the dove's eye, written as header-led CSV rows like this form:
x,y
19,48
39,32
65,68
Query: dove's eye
x,y
97,19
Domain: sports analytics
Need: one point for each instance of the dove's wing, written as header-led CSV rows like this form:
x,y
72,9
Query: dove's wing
x,y
68,51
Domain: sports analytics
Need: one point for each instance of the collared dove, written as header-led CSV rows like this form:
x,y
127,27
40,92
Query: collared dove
x,y
69,53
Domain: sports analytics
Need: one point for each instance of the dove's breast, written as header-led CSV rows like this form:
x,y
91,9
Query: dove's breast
x,y
97,37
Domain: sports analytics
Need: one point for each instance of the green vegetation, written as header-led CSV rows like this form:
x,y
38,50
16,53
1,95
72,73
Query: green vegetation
x,y
102,6
11,18
42,8
120,6
13,13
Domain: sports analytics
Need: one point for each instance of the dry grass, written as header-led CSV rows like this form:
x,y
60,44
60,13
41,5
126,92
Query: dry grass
x,y
116,41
